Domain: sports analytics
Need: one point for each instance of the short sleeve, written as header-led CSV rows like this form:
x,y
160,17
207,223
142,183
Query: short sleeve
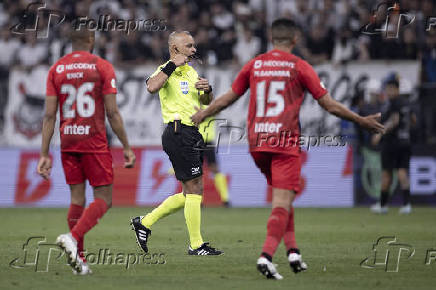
x,y
242,81
50,87
310,80
108,79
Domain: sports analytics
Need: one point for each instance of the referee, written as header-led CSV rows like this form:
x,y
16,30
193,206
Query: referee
x,y
181,91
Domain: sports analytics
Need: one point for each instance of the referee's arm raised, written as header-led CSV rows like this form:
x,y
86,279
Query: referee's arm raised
x,y
156,82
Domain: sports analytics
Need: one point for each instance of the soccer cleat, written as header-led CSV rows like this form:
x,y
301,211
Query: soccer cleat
x,y
268,269
377,208
69,245
142,233
226,204
296,262
407,209
204,250
85,270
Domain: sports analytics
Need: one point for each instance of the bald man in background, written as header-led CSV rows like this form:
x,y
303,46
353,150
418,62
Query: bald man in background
x,y
181,90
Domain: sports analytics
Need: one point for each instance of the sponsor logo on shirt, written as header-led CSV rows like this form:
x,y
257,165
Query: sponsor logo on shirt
x,y
258,64
184,87
60,68
80,65
267,127
76,130
273,63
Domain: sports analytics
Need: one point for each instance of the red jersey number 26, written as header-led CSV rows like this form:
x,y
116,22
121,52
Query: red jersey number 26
x,y
273,97
85,104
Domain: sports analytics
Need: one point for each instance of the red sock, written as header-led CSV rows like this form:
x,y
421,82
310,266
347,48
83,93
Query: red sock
x,y
289,236
89,218
276,227
74,214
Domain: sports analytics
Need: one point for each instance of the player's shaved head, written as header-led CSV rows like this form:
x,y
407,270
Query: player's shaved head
x,y
82,39
175,36
81,35
283,31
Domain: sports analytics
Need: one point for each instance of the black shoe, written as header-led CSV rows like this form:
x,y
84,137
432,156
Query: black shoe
x,y
205,250
142,233
226,204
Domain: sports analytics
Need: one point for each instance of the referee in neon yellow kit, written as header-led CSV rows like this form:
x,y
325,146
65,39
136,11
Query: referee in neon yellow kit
x,y
181,90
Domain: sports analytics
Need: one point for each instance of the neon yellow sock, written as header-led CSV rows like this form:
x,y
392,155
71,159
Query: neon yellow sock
x,y
193,219
168,206
221,186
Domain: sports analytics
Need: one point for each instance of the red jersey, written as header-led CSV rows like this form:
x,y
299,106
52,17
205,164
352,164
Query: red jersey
x,y
80,80
277,82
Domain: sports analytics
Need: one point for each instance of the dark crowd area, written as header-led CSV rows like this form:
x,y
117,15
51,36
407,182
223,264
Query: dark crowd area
x,y
232,32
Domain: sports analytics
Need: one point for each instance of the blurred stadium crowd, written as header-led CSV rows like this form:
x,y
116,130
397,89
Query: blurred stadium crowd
x,y
228,32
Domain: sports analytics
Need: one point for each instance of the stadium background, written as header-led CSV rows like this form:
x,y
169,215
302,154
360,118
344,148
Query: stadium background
x,y
353,66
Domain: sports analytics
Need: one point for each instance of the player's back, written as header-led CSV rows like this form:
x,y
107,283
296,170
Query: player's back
x,y
274,92
80,80
277,81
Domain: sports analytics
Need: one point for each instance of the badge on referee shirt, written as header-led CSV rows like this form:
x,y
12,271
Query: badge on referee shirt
x,y
184,87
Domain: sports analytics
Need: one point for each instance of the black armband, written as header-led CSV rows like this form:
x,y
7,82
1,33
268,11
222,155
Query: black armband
x,y
169,68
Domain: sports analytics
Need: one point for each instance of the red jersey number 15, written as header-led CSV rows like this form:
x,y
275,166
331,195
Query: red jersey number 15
x,y
273,97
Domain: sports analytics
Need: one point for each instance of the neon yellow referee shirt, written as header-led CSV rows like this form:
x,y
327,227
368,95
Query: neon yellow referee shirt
x,y
178,95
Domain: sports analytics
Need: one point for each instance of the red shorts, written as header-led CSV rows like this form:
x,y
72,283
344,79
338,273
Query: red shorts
x,y
281,170
96,167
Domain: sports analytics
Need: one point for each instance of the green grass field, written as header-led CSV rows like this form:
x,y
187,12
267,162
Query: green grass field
x,y
333,243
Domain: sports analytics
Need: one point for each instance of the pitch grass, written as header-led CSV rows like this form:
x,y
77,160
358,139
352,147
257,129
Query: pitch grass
x,y
333,243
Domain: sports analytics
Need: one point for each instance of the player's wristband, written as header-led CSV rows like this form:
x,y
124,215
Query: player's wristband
x,y
169,68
